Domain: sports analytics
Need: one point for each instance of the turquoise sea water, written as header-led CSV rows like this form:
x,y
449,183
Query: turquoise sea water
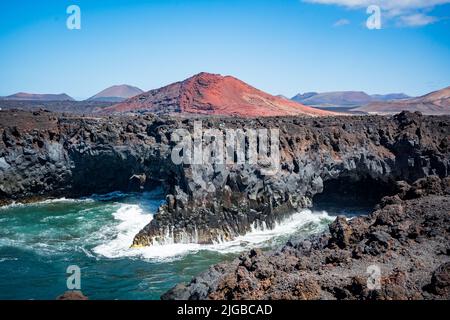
x,y
39,241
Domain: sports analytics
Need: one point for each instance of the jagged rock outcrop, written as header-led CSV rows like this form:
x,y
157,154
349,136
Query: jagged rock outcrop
x,y
401,162
369,152
49,155
398,252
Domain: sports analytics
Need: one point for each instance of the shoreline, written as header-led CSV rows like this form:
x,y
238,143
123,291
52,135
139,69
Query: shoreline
x,y
412,262
45,155
55,156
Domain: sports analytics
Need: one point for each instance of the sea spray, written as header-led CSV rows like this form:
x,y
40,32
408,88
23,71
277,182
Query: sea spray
x,y
134,219
38,242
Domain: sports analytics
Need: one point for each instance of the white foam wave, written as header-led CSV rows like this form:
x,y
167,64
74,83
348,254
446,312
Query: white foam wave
x,y
305,220
64,200
8,259
132,219
45,202
12,205
116,195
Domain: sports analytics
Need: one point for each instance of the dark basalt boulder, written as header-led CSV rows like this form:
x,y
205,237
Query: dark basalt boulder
x,y
440,280
340,232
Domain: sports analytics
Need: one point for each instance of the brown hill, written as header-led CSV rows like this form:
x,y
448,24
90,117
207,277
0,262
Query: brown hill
x,y
38,97
437,102
212,94
116,93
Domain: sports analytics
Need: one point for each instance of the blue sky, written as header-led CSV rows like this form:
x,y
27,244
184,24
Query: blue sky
x,y
282,47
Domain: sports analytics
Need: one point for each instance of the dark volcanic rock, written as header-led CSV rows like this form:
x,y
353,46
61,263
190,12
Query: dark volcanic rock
x,y
404,158
49,155
369,153
440,280
340,232
410,268
45,155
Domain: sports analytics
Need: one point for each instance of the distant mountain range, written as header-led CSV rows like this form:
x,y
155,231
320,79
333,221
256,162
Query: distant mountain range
x,y
212,94
344,98
116,93
437,102
77,107
38,97
390,96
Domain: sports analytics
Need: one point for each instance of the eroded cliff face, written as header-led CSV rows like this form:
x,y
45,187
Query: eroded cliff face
x,y
49,155
398,252
372,152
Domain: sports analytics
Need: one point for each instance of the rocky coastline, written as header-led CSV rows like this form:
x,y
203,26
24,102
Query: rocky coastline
x,y
43,155
405,242
401,163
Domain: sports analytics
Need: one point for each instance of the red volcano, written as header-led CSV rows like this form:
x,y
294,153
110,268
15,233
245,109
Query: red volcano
x,y
212,94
